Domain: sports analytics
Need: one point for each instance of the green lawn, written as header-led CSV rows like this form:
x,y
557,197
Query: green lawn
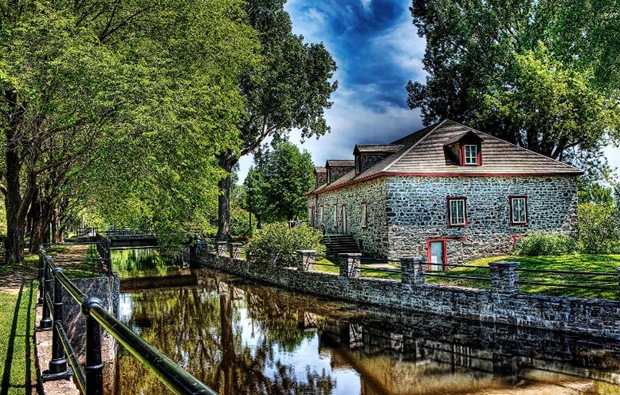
x,y
573,262
16,348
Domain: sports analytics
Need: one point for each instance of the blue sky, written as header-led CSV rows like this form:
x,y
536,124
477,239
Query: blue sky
x,y
377,51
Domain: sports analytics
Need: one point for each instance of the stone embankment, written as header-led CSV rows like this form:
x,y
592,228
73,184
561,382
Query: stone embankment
x,y
501,304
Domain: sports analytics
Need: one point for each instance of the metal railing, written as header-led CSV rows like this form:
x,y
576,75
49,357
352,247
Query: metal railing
x,y
90,377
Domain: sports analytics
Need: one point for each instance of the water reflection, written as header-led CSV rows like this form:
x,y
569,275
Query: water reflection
x,y
244,338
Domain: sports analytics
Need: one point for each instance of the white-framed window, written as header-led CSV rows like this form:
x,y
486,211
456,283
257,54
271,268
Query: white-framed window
x,y
471,154
364,216
457,215
518,210
335,215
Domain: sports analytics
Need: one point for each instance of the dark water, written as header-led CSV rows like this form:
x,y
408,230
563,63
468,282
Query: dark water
x,y
243,338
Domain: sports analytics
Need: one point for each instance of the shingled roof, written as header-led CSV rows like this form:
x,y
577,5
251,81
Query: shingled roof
x,y
422,154
377,148
340,163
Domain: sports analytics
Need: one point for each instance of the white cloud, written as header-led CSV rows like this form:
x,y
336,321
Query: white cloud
x,y
402,46
351,124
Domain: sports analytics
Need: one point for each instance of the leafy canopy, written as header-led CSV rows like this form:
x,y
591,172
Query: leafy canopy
x,y
535,73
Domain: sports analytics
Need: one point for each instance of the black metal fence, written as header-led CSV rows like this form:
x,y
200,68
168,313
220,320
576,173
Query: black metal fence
x,y
53,284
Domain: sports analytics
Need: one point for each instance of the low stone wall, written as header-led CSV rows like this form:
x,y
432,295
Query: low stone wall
x,y
502,304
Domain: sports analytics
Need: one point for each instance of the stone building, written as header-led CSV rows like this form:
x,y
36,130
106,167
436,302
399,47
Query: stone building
x,y
447,192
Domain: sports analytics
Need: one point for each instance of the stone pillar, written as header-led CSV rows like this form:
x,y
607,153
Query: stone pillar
x,y
235,250
305,260
222,248
350,264
413,270
504,277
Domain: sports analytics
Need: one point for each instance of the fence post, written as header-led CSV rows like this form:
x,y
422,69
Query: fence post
x,y
108,253
94,366
46,321
413,270
306,260
235,250
504,277
350,264
41,279
222,247
58,364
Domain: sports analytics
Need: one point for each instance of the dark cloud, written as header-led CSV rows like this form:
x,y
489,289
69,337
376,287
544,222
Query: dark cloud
x,y
377,51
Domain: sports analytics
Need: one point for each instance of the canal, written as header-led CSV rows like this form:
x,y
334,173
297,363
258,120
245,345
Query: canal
x,y
241,337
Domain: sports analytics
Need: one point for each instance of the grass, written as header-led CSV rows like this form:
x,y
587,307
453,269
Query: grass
x,y
17,370
571,262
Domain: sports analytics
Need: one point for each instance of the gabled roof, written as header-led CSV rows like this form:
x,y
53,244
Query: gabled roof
x,y
340,163
320,169
422,154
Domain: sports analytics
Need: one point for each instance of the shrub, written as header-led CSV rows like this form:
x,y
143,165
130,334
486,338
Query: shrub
x,y
283,242
240,222
543,243
599,228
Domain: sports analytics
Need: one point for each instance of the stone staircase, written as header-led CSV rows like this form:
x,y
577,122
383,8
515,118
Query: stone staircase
x,y
337,244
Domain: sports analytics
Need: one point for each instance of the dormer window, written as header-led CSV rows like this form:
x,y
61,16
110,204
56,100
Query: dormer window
x,y
358,164
329,175
470,155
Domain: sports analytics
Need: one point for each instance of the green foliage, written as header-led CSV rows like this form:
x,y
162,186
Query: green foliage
x,y
291,91
279,181
599,228
524,71
278,241
240,222
543,243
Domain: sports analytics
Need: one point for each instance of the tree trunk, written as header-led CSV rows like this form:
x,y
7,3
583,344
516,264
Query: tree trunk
x,y
16,205
226,162
35,223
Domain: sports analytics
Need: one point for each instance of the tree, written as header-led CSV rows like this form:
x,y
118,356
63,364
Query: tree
x,y
113,94
291,91
281,178
520,71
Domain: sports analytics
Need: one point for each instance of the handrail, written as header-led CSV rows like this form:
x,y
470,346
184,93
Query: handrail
x,y
90,378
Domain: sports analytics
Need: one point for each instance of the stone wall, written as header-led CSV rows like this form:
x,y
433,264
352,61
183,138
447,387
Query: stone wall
x,y
374,238
417,212
369,160
594,317
404,213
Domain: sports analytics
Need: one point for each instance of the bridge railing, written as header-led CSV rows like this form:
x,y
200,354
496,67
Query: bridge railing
x,y
54,283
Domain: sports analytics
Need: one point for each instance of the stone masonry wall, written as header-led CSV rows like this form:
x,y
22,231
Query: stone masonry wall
x,y
594,317
417,211
375,237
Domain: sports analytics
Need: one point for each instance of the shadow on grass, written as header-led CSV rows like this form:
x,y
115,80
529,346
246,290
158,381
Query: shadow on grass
x,y
11,358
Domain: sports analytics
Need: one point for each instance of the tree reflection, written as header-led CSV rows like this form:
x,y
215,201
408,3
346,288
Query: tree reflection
x,y
202,329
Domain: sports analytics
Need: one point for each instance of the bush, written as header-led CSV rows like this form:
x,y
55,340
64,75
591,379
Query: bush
x,y
599,228
283,242
543,243
240,222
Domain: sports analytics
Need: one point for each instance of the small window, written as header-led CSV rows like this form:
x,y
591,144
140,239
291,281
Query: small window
x,y
329,175
518,210
471,155
364,216
456,212
335,216
320,220
358,164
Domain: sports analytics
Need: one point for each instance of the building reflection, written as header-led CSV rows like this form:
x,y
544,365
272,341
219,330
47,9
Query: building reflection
x,y
243,338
